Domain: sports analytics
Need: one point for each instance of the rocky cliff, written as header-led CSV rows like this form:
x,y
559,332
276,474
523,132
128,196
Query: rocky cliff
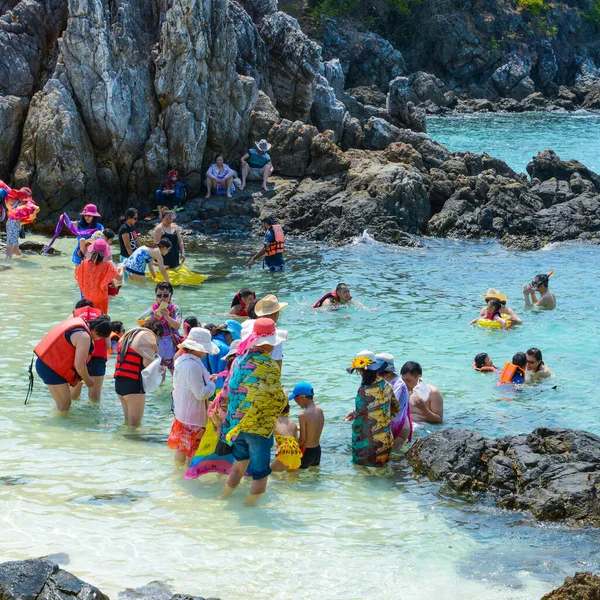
x,y
99,98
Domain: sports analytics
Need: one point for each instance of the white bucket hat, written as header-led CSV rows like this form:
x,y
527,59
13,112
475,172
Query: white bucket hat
x,y
389,359
199,339
263,145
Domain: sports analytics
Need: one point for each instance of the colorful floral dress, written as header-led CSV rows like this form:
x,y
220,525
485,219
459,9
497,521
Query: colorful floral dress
x,y
371,432
255,396
167,345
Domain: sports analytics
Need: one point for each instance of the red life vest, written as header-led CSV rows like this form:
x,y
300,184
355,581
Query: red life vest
x,y
87,313
484,369
278,246
130,364
57,353
329,296
237,301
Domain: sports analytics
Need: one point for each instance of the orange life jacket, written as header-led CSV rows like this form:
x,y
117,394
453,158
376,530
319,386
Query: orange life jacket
x,y
278,245
509,372
484,369
329,295
87,313
57,353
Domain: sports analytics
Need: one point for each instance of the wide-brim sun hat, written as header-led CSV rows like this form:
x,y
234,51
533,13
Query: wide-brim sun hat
x,y
388,359
232,349
268,305
494,293
233,327
263,145
264,333
90,210
101,247
199,339
365,359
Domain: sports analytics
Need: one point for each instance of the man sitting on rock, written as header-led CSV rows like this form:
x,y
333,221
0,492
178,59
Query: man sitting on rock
x,y
172,194
256,164
426,403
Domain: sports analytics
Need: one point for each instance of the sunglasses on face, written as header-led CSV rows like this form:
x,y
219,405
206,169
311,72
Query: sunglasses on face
x,y
531,362
162,295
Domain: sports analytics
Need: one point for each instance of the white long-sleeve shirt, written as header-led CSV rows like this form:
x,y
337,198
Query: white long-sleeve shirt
x,y
191,388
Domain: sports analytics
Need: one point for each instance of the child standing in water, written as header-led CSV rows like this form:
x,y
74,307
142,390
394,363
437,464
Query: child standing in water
x,y
289,455
311,423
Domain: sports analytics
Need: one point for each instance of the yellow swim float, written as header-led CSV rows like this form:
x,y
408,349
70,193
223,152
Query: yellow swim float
x,y
179,276
491,324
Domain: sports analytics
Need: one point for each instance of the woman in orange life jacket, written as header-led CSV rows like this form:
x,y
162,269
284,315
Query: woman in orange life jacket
x,y
96,366
483,363
273,248
241,301
63,355
341,295
136,350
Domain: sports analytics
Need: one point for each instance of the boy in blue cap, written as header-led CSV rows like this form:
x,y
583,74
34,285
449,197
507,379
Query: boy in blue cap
x,y
311,423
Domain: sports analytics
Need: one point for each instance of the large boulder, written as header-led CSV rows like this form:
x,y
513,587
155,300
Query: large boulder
x,y
327,112
366,58
548,165
592,98
425,87
291,143
582,586
38,579
251,59
57,156
12,117
332,71
512,78
262,117
326,157
401,109
294,62
379,134
554,473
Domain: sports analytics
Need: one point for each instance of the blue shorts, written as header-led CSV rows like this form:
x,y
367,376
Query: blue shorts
x,y
97,366
48,375
256,448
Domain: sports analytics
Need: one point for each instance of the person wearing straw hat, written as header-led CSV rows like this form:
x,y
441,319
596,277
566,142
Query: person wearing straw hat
x,y
504,310
269,307
255,401
192,389
256,164
89,220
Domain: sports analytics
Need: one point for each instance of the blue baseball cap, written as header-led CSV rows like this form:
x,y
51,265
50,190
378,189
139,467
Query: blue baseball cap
x,y
234,328
302,389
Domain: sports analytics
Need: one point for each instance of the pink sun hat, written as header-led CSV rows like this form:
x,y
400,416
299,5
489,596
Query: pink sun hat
x,y
90,210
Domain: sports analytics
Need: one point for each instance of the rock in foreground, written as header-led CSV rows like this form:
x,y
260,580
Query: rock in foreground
x,y
40,579
582,586
554,473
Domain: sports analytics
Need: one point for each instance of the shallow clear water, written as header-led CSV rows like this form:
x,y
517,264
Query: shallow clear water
x,y
517,138
113,501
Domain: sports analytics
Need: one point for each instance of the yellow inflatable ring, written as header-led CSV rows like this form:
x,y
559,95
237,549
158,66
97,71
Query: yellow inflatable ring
x,y
491,324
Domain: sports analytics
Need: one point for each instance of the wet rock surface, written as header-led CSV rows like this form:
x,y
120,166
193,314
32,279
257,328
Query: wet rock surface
x,y
43,579
553,473
582,586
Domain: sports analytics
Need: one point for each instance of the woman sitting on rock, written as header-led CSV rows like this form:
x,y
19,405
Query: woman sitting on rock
x,y
219,178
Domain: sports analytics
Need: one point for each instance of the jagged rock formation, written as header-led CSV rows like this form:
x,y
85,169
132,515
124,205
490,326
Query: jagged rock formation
x,y
582,586
554,473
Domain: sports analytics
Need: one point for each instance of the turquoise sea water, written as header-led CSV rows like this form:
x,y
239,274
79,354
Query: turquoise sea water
x,y
517,138
112,500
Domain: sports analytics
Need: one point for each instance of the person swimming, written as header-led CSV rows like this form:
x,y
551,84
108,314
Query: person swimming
x,y
484,363
514,371
493,313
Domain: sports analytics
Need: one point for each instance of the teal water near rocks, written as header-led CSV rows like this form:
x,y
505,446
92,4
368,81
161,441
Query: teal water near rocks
x,y
516,138
112,500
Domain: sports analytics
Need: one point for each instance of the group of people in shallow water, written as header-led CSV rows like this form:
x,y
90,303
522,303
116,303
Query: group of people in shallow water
x,y
229,405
